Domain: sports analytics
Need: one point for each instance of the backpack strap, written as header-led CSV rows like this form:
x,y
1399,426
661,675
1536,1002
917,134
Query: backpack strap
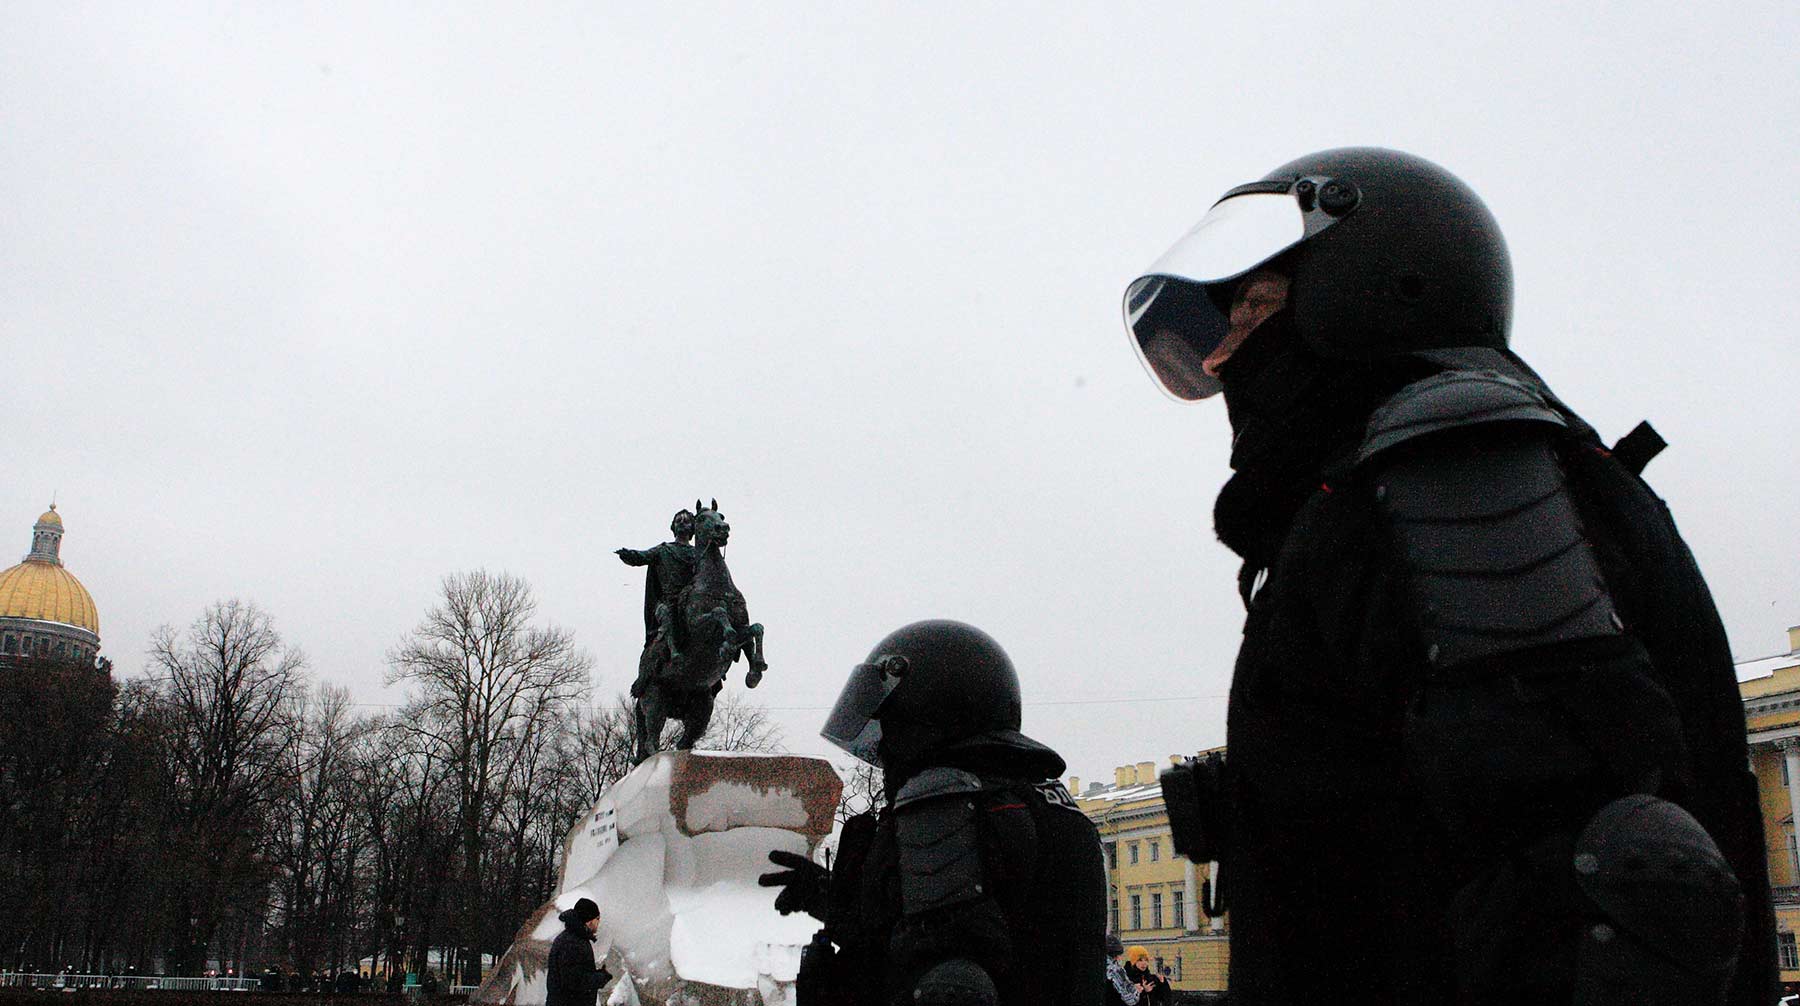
x,y
1637,448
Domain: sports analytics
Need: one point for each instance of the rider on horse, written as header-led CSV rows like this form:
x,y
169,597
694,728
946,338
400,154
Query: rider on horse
x,y
671,569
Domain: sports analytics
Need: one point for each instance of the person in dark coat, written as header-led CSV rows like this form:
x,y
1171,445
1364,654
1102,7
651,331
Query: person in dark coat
x,y
571,977
979,882
1485,743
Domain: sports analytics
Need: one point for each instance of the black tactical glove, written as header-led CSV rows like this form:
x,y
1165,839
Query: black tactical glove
x,y
804,884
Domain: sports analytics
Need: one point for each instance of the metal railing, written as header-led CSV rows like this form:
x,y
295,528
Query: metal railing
x,y
69,982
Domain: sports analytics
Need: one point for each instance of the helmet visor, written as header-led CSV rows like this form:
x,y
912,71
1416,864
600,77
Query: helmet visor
x,y
852,724
1171,312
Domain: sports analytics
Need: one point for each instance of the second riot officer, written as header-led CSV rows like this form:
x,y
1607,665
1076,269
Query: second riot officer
x,y
1485,742
979,882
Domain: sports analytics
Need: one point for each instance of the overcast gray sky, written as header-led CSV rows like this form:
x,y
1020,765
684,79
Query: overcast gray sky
x,y
312,305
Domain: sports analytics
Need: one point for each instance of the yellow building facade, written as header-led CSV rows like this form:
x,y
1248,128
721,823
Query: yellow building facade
x,y
1771,691
1155,898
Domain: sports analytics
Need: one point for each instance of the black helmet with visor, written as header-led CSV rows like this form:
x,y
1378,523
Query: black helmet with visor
x,y
1385,253
925,685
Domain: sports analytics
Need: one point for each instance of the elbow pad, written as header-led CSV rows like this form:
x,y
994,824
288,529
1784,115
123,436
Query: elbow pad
x,y
955,982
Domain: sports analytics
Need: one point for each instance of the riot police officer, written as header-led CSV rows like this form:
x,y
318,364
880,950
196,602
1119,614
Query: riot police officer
x,y
1484,739
980,882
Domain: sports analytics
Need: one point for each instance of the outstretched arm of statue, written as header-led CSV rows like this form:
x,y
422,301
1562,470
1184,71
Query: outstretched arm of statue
x,y
632,557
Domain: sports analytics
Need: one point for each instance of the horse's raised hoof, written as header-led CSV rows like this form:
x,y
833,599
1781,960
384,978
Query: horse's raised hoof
x,y
754,678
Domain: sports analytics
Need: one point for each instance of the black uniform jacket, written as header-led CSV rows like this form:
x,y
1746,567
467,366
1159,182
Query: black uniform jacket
x,y
572,978
1038,927
1353,835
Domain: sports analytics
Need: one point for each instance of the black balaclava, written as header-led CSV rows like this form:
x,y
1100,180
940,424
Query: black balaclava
x,y
1293,412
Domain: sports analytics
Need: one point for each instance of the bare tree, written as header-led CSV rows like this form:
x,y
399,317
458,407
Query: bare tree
x,y
862,791
314,838
741,725
231,686
398,782
487,683
599,750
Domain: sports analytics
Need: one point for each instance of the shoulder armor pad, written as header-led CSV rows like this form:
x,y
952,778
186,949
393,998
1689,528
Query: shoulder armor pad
x,y
936,782
1494,548
1451,399
940,847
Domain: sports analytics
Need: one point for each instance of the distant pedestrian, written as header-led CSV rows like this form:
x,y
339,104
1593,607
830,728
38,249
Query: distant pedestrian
x,y
572,978
1120,989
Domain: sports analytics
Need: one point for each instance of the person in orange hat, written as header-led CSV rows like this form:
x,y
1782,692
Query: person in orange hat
x,y
1139,970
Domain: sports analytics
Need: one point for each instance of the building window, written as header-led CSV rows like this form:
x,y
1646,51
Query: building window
x,y
1133,848
1180,911
12,644
1156,910
1112,855
1113,925
1137,911
1790,955
1155,851
1177,969
1793,855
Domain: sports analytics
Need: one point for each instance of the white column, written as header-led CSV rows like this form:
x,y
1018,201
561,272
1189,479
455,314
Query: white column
x,y
1215,922
1790,750
1190,913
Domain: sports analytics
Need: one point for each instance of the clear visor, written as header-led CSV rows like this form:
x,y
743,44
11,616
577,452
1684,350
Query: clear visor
x,y
1174,321
852,724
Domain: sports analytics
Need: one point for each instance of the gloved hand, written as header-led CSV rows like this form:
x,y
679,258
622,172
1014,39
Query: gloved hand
x,y
804,884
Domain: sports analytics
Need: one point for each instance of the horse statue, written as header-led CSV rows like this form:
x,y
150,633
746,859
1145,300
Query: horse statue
x,y
707,630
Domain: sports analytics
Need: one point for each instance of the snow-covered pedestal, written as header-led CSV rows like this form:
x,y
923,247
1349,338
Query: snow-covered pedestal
x,y
671,854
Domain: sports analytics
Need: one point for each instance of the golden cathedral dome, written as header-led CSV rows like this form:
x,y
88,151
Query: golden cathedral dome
x,y
48,593
41,602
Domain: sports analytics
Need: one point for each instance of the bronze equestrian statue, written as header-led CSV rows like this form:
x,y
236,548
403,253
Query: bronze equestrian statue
x,y
694,639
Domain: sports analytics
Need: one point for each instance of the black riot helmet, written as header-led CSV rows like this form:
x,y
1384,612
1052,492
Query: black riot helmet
x,y
926,685
1385,252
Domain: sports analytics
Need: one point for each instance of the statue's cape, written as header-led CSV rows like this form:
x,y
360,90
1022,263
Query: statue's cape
x,y
652,594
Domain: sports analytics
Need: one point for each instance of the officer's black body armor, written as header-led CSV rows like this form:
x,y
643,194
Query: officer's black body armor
x,y
1477,634
983,857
